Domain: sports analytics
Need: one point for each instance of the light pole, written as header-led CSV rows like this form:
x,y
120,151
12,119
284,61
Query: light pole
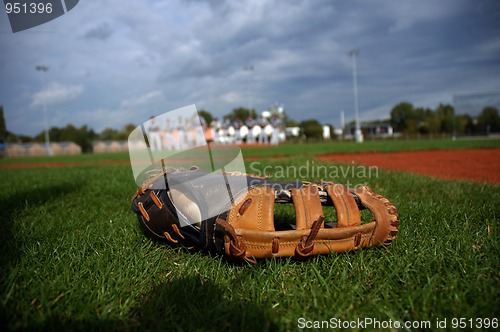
x,y
342,122
250,92
44,69
358,135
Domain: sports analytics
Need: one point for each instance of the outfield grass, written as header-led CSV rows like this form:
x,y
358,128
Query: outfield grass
x,y
313,149
73,257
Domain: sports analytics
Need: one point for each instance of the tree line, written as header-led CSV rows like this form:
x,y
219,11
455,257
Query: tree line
x,y
83,136
410,120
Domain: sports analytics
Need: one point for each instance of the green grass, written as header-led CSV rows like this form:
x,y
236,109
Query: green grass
x,y
312,149
74,258
83,158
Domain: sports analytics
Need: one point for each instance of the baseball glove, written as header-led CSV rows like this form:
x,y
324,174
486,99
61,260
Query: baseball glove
x,y
234,213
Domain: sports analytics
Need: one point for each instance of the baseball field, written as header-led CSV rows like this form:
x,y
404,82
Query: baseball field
x,y
73,256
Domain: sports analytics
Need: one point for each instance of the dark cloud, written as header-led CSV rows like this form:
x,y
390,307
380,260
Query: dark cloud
x,y
195,51
101,32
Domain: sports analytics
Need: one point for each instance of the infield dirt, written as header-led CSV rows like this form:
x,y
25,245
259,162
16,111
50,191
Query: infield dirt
x,y
480,165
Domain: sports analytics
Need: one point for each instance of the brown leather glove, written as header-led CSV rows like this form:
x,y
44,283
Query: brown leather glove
x,y
234,214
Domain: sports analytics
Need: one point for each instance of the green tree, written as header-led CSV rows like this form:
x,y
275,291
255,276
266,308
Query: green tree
x,y
125,132
445,113
82,136
489,121
70,133
423,117
465,125
85,136
433,122
55,135
128,128
206,115
242,113
109,134
13,138
401,116
312,129
117,135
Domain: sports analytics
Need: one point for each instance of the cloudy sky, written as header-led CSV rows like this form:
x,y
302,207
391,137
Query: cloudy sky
x,y
113,62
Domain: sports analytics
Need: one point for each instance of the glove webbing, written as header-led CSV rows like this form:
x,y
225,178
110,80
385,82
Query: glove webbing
x,y
249,225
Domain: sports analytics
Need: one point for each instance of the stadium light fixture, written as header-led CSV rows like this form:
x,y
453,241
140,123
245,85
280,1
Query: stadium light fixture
x,y
358,135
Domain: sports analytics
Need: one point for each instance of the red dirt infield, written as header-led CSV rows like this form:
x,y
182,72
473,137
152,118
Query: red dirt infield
x,y
480,165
